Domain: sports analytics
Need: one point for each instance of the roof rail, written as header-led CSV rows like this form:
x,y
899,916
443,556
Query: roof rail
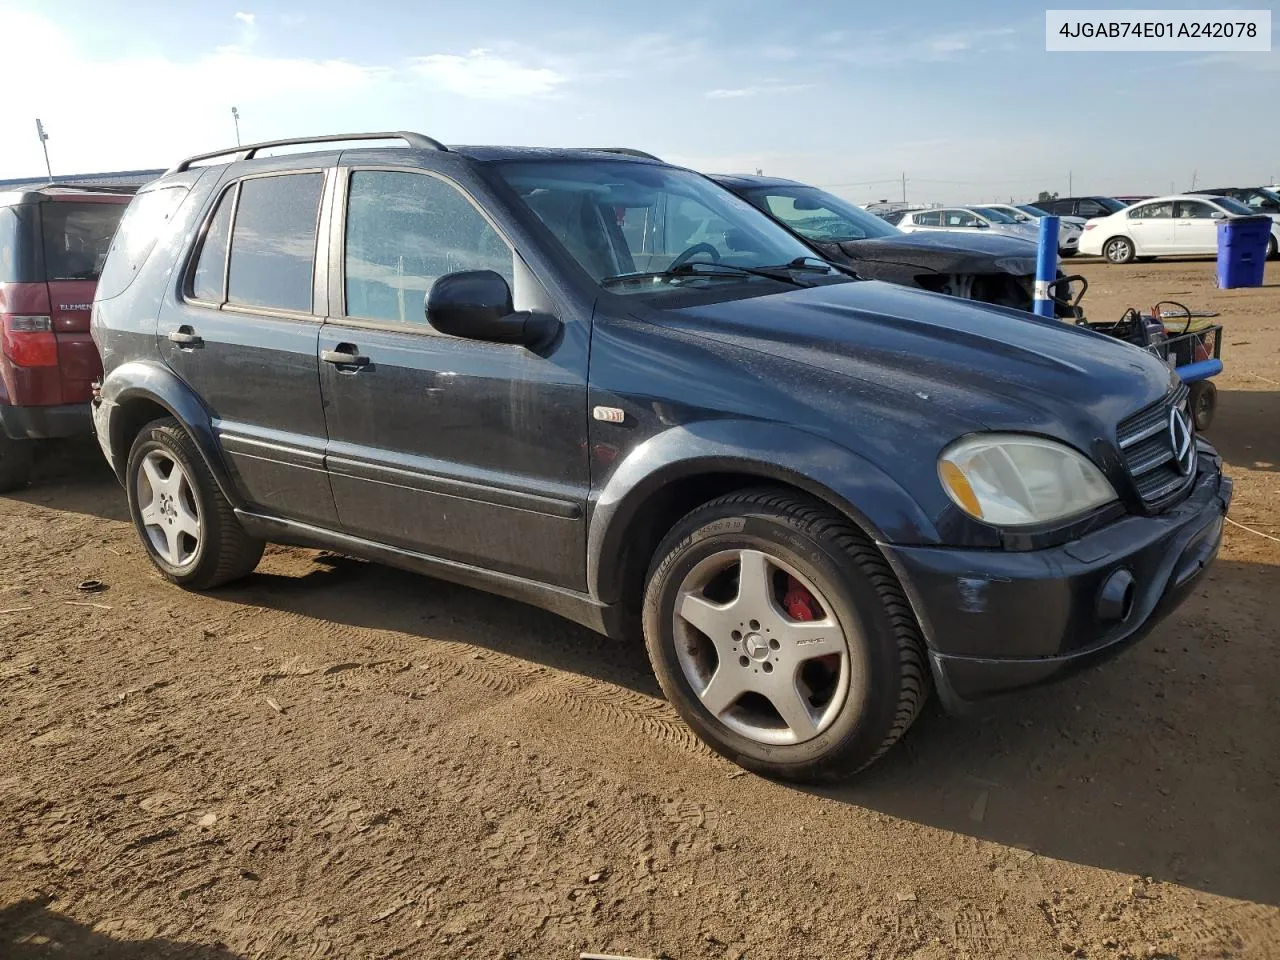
x,y
625,151
247,152
84,187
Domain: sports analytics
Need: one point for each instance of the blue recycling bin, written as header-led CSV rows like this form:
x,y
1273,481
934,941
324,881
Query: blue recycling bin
x,y
1242,251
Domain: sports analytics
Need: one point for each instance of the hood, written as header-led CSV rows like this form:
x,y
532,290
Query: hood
x,y
941,251
935,365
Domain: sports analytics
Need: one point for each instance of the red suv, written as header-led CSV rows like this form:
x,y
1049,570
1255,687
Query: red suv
x,y
53,242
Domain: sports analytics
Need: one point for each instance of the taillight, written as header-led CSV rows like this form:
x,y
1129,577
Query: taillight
x,y
29,341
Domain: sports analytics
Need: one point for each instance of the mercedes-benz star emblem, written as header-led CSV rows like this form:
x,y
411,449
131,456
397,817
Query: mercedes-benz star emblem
x,y
1184,446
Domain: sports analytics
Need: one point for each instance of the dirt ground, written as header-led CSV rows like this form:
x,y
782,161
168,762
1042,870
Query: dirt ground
x,y
337,759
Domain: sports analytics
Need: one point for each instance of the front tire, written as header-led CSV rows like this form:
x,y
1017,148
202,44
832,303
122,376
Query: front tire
x,y
1273,248
1204,404
782,637
15,463
186,525
1119,250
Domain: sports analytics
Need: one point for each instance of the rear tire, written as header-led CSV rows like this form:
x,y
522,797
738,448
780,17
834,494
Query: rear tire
x,y
1272,248
1204,404
15,463
186,525
785,694
1118,250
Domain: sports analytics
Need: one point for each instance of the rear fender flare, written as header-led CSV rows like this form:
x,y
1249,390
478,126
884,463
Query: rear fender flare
x,y
143,380
864,493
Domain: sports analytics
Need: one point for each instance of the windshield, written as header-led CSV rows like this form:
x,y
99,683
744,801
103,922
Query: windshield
x,y
77,237
995,216
1233,206
617,218
1261,200
819,216
1113,206
1033,210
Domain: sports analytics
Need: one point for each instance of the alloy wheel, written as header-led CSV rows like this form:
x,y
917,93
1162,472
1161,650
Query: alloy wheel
x,y
168,508
1118,251
760,647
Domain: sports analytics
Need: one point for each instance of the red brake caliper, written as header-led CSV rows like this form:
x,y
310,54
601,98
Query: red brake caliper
x,y
799,602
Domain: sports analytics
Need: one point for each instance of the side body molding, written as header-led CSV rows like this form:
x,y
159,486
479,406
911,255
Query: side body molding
x,y
863,492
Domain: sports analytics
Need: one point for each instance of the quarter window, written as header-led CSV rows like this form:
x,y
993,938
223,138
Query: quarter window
x,y
273,242
404,232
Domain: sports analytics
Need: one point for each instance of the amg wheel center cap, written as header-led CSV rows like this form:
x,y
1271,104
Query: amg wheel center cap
x,y
756,646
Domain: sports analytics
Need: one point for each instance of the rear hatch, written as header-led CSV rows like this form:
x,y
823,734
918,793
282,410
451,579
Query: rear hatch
x,y
53,252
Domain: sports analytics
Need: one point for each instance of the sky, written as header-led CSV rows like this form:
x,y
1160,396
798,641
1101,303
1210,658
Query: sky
x,y
962,99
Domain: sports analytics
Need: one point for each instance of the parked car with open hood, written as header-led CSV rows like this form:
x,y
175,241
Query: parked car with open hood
x,y
978,266
1257,199
53,242
1088,208
1179,225
607,386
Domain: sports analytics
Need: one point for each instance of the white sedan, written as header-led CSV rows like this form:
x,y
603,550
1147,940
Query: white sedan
x,y
1165,226
966,220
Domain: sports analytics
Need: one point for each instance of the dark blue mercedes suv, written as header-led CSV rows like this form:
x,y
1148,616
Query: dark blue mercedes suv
x,y
607,386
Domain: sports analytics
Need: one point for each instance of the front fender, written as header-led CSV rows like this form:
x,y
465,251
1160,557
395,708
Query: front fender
x,y
150,382
864,493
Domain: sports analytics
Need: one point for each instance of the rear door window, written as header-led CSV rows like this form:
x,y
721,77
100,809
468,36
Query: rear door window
x,y
927,219
208,281
273,242
77,237
1152,211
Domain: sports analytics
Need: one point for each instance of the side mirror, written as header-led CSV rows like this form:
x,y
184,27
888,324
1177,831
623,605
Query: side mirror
x,y
981,225
1218,215
476,305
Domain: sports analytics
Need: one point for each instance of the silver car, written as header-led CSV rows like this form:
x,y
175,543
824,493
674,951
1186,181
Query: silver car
x,y
967,220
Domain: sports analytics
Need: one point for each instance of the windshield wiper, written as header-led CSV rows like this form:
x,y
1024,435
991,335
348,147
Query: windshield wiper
x,y
702,268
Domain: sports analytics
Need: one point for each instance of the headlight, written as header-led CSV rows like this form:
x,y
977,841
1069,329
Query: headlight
x,y
1011,480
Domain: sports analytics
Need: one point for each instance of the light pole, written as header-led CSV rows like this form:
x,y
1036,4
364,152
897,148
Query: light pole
x,y
235,115
44,145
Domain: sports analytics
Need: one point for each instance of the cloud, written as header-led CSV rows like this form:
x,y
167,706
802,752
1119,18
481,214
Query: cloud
x,y
485,76
880,47
248,28
734,93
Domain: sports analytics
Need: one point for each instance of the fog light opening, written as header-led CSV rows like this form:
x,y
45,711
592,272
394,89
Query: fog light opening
x,y
1116,598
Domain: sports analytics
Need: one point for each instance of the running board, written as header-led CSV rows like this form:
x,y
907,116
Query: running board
x,y
570,604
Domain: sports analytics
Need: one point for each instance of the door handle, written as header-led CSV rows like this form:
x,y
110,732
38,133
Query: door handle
x,y
344,355
185,336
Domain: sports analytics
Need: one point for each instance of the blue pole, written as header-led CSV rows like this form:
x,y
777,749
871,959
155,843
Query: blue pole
x,y
1046,266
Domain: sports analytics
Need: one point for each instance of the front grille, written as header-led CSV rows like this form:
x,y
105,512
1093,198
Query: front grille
x,y
1148,451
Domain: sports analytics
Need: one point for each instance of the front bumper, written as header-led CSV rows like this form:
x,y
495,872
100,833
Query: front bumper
x,y
45,423
997,621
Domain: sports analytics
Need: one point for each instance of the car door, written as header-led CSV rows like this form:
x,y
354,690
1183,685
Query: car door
x,y
1195,226
462,450
1150,225
243,335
